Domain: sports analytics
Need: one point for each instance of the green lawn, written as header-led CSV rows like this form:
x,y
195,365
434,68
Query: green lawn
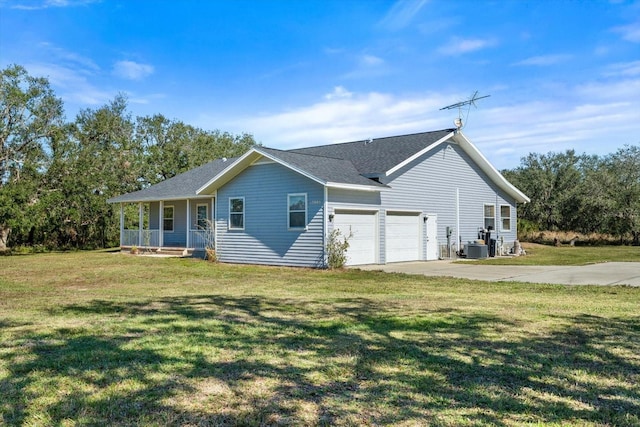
x,y
567,255
97,338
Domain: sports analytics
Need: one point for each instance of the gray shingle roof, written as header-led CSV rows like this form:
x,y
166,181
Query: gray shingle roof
x,y
345,163
327,169
179,187
379,155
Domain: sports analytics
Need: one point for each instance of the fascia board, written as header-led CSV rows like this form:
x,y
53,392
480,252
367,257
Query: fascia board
x,y
354,187
226,174
161,199
419,153
489,169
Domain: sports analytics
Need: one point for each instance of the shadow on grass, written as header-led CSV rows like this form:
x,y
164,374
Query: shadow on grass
x,y
218,360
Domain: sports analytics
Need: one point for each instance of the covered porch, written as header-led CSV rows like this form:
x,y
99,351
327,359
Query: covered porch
x,y
168,225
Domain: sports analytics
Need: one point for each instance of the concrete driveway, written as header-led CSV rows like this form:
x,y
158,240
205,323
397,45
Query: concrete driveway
x,y
610,273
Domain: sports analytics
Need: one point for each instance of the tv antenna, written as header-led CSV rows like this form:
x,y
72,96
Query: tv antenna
x,y
469,102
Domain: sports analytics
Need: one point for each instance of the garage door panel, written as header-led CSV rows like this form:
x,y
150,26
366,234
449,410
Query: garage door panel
x,y
402,237
362,228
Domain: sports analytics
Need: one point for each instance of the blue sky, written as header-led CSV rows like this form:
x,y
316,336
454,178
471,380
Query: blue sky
x,y
561,74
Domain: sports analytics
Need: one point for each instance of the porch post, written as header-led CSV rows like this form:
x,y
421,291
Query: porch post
x,y
188,222
161,224
140,223
121,223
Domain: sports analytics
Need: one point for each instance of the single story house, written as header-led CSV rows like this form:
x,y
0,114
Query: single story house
x,y
401,198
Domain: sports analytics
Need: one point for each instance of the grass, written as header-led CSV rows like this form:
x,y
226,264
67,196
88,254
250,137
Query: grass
x,y
538,254
109,339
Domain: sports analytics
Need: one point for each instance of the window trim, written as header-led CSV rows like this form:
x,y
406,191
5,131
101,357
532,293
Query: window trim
x,y
206,207
289,211
484,217
503,218
173,218
244,208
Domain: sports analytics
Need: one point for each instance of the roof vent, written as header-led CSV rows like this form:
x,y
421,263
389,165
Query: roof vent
x,y
224,159
368,141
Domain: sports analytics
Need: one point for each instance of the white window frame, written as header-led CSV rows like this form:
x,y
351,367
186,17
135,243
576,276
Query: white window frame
x,y
244,208
289,211
502,218
485,217
206,216
173,218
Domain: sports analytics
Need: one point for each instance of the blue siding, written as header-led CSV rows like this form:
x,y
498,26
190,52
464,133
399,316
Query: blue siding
x,y
429,184
177,237
266,238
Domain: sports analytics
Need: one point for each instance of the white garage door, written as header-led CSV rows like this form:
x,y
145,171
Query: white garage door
x,y
402,237
362,227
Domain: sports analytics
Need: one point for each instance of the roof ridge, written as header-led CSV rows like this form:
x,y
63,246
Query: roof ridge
x,y
293,151
373,139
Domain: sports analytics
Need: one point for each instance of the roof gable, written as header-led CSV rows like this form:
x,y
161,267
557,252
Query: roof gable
x,y
328,171
375,157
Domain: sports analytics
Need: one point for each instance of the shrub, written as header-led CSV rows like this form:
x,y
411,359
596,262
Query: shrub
x,y
337,246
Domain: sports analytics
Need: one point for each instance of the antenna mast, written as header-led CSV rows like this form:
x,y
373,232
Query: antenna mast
x,y
469,102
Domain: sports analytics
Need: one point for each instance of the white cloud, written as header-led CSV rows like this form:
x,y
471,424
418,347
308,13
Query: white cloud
x,y
544,60
72,59
367,65
627,69
45,4
338,92
629,32
401,14
458,46
594,117
132,70
71,83
371,60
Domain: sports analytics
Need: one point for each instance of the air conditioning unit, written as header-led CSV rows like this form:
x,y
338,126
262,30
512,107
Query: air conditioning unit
x,y
476,251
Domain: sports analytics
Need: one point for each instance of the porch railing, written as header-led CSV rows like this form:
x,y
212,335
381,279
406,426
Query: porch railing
x,y
150,238
198,239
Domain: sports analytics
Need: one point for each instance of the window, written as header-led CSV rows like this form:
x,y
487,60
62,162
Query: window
x,y
297,210
505,217
489,217
202,215
167,218
236,213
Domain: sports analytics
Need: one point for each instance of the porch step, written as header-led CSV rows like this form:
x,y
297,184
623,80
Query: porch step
x,y
174,251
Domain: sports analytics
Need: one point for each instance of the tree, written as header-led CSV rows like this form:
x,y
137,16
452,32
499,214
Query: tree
x,y
98,158
172,147
29,116
624,169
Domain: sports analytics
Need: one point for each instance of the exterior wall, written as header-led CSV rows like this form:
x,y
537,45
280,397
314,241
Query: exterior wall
x,y
177,237
266,238
429,184
194,211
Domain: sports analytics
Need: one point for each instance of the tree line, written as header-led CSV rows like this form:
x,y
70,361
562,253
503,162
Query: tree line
x,y
581,193
56,175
